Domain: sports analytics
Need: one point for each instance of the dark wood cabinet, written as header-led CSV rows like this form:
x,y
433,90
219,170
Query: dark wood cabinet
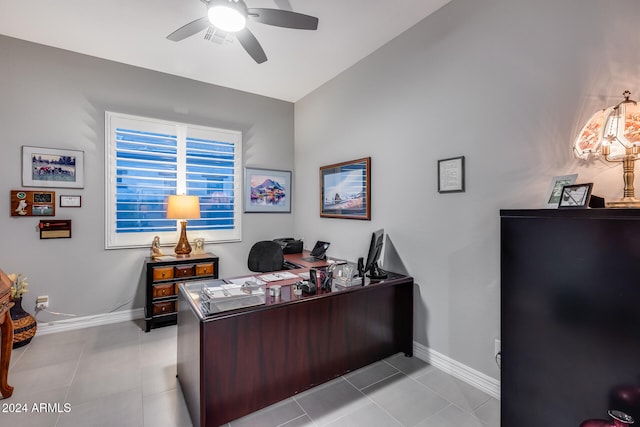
x,y
233,363
163,276
570,315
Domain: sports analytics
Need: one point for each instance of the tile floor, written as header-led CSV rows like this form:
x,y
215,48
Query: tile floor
x,y
118,375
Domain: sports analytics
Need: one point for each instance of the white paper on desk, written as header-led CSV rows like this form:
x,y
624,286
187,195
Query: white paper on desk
x,y
273,277
305,275
240,280
270,277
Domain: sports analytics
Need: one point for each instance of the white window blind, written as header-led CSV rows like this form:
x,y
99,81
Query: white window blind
x,y
148,160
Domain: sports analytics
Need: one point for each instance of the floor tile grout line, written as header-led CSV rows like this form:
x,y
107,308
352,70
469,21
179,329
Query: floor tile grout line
x,y
383,409
73,378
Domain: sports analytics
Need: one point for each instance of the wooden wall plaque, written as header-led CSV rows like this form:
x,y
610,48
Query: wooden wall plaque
x,y
55,229
33,203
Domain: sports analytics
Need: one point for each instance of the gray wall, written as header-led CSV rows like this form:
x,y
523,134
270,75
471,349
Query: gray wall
x,y
506,83
54,98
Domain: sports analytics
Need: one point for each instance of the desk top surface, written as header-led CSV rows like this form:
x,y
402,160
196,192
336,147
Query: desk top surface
x,y
233,299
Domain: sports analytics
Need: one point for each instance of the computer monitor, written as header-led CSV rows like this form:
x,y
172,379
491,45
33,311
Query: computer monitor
x,y
375,249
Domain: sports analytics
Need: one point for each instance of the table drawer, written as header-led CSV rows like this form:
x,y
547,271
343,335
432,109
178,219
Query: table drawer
x,y
166,307
162,273
184,270
204,269
165,290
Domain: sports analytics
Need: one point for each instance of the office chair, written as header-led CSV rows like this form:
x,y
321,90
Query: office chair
x,y
266,256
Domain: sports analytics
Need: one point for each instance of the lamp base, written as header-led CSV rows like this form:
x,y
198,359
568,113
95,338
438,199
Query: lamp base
x,y
625,202
183,248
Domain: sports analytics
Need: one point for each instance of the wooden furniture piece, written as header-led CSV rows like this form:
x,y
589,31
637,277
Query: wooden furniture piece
x,y
299,261
6,332
163,276
570,315
236,362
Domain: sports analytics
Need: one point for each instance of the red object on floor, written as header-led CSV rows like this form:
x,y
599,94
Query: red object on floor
x,y
620,419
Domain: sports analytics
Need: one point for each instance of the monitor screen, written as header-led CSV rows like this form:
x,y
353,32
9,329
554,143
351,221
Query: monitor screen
x,y
375,250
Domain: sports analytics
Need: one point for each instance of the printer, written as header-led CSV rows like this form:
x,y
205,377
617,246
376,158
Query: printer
x,y
289,245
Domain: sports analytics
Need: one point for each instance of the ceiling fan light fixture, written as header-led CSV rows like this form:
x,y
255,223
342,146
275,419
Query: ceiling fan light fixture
x,y
228,15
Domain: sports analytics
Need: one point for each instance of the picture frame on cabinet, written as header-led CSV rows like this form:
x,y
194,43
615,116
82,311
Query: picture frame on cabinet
x,y
52,167
345,190
554,192
575,196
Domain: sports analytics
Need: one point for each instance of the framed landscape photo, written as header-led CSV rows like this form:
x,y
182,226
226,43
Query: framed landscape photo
x,y
555,189
451,175
267,190
575,196
345,190
51,167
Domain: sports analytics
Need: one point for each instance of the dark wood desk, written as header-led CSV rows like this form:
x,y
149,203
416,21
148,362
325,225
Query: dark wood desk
x,y
236,362
299,260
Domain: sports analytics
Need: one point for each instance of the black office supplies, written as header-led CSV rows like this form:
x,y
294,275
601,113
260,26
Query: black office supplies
x,y
319,252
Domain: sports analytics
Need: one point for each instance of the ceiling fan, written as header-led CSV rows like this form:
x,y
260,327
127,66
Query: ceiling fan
x,y
232,16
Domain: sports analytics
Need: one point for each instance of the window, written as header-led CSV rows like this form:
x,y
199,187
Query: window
x,y
149,159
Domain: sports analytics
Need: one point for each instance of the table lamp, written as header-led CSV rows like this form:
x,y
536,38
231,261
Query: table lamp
x,y
614,134
183,208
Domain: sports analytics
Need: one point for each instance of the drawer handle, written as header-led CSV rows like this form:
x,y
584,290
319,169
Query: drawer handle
x,y
205,270
164,291
163,274
164,309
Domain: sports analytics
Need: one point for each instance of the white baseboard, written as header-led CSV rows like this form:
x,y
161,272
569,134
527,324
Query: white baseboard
x,y
469,375
89,321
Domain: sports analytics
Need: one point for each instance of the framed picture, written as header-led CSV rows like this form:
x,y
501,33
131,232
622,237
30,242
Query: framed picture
x,y
555,189
575,196
267,190
451,175
51,167
70,201
345,190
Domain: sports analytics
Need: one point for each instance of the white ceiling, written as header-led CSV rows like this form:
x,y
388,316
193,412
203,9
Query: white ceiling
x,y
134,32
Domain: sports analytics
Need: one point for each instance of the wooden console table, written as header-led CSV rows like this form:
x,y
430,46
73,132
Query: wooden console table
x,y
6,330
236,362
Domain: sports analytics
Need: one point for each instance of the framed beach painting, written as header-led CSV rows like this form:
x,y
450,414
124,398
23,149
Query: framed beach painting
x,y
52,167
267,190
345,190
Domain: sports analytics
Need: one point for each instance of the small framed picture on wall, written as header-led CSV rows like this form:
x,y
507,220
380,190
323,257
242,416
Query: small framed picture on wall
x,y
70,201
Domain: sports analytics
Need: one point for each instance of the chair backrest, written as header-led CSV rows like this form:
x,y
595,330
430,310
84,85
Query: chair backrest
x,y
266,256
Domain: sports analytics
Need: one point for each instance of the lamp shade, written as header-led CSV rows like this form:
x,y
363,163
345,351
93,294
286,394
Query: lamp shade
x,y
183,207
613,134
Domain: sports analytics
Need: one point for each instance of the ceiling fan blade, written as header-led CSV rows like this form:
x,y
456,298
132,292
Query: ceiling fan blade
x,y
190,29
284,18
251,45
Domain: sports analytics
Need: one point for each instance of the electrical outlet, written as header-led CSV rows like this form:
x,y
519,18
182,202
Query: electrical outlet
x,y
42,302
496,347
